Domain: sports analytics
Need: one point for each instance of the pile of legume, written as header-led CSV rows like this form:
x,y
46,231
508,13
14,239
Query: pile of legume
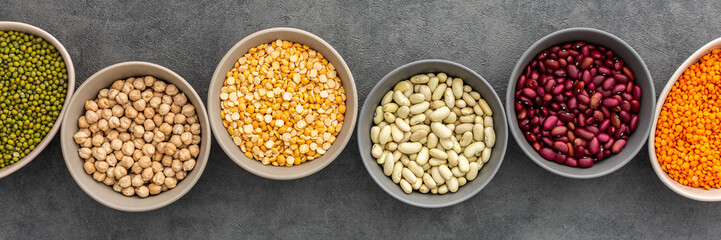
x,y
141,136
33,86
688,133
283,103
432,133
577,103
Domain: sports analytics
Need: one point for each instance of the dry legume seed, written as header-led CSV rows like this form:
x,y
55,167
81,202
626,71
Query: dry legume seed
x,y
419,147
283,104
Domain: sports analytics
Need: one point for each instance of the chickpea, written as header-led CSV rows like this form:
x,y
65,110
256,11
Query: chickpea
x,y
91,105
196,139
139,119
171,89
99,176
149,81
94,127
188,165
163,109
139,105
154,188
118,155
113,122
147,95
137,154
175,140
167,161
125,123
83,123
178,129
90,160
159,86
91,116
179,118
103,103
168,172
186,138
184,154
112,135
124,137
116,187
148,136
126,162
169,118
158,120
188,110
99,153
122,98
112,93
157,156
159,178
131,112
117,85
125,181
106,146
156,166
101,166
149,113
136,168
195,128
128,148
147,174
117,111
110,180
80,137
155,102
171,182
163,188
159,136
194,150
116,144
170,149
103,93
166,128
192,120
103,125
148,149
89,167
87,144
127,87
128,191
181,175
106,113
138,131
177,165
111,160
139,84
180,99
149,125
136,181
111,172
142,191
134,95
98,140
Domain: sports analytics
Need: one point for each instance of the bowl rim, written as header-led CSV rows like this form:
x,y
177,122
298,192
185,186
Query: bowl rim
x,y
502,131
200,166
38,32
510,96
678,188
215,121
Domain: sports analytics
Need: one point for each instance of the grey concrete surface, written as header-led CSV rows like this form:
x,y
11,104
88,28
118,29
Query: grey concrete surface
x,y
523,201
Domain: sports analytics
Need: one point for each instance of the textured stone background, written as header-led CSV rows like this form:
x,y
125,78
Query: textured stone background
x,y
341,201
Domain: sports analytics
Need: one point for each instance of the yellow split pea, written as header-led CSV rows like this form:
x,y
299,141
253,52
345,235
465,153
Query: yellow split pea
x,y
283,103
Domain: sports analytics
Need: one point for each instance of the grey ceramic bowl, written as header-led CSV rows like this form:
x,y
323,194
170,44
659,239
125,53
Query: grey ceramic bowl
x,y
470,78
27,28
643,79
221,133
99,191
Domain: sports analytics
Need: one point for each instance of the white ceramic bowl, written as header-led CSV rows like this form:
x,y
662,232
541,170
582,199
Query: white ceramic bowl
x,y
700,194
89,90
27,28
221,133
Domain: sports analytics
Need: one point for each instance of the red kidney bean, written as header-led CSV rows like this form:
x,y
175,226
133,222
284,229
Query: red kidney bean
x,y
627,71
610,102
548,154
573,98
571,162
633,123
593,146
618,146
583,133
585,162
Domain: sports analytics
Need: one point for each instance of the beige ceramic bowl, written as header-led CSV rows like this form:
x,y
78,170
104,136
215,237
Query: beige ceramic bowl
x,y
27,28
89,90
221,133
700,194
